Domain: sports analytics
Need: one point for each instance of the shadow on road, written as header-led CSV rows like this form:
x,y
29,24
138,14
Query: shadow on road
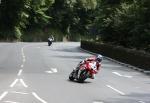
x,y
71,57
73,50
75,81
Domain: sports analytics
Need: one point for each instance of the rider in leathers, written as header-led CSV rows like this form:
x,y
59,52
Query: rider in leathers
x,y
97,59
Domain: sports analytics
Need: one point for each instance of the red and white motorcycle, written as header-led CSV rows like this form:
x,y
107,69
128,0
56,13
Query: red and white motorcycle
x,y
84,71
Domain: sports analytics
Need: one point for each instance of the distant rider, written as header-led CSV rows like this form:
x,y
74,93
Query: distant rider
x,y
97,65
50,40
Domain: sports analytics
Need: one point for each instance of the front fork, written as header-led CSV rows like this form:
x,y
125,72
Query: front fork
x,y
77,73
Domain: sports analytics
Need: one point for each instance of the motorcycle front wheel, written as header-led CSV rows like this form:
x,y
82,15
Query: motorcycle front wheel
x,y
71,76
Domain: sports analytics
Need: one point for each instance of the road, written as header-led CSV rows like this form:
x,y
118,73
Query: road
x,y
36,73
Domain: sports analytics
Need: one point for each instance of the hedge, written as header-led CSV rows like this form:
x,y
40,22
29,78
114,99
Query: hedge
x,y
129,56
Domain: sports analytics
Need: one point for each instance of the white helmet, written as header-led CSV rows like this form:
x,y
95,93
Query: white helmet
x,y
99,58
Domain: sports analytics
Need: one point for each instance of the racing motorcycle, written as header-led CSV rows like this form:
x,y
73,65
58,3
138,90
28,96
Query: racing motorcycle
x,y
83,71
50,40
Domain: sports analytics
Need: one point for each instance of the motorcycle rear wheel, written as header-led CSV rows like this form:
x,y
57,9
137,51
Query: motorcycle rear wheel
x,y
83,76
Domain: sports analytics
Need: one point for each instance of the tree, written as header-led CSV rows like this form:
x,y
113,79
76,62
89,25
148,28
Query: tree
x,y
124,22
13,17
72,16
17,15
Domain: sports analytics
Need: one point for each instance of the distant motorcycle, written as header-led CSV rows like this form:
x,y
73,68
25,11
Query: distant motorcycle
x,y
50,40
83,72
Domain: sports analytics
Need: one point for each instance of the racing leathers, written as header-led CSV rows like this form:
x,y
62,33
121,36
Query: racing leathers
x,y
96,65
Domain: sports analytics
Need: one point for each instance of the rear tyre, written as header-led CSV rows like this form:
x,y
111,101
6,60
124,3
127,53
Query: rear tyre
x,y
49,43
83,76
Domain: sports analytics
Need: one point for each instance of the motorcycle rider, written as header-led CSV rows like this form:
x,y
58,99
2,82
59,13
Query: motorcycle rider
x,y
50,40
97,59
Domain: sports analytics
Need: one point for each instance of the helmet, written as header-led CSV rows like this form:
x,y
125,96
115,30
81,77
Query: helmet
x,y
99,58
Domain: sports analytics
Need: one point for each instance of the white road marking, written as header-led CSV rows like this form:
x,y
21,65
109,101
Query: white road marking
x,y
97,102
54,70
38,47
22,66
18,92
24,59
12,85
23,83
117,73
115,90
3,95
137,87
37,97
20,72
127,76
10,102
49,72
23,56
141,102
22,53
22,50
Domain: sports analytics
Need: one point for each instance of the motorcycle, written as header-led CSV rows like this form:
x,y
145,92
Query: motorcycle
x,y
83,71
50,40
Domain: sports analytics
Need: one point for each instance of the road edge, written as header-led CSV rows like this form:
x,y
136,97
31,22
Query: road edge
x,y
121,63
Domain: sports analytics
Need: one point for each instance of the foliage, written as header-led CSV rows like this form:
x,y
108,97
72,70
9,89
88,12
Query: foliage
x,y
72,16
16,15
127,23
120,22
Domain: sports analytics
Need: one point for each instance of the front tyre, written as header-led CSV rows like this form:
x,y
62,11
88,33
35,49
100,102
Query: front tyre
x,y
71,76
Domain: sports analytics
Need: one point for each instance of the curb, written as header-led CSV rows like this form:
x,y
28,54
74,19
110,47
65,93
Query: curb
x,y
121,63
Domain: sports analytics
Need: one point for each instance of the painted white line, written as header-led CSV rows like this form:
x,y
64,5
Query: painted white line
x,y
10,102
20,72
141,102
115,90
3,95
12,85
97,102
54,70
24,59
22,53
49,72
37,97
23,83
18,92
22,66
23,56
127,76
22,50
137,87
117,73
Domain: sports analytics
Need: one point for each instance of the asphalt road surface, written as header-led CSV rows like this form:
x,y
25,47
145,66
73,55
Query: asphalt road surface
x,y
36,73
